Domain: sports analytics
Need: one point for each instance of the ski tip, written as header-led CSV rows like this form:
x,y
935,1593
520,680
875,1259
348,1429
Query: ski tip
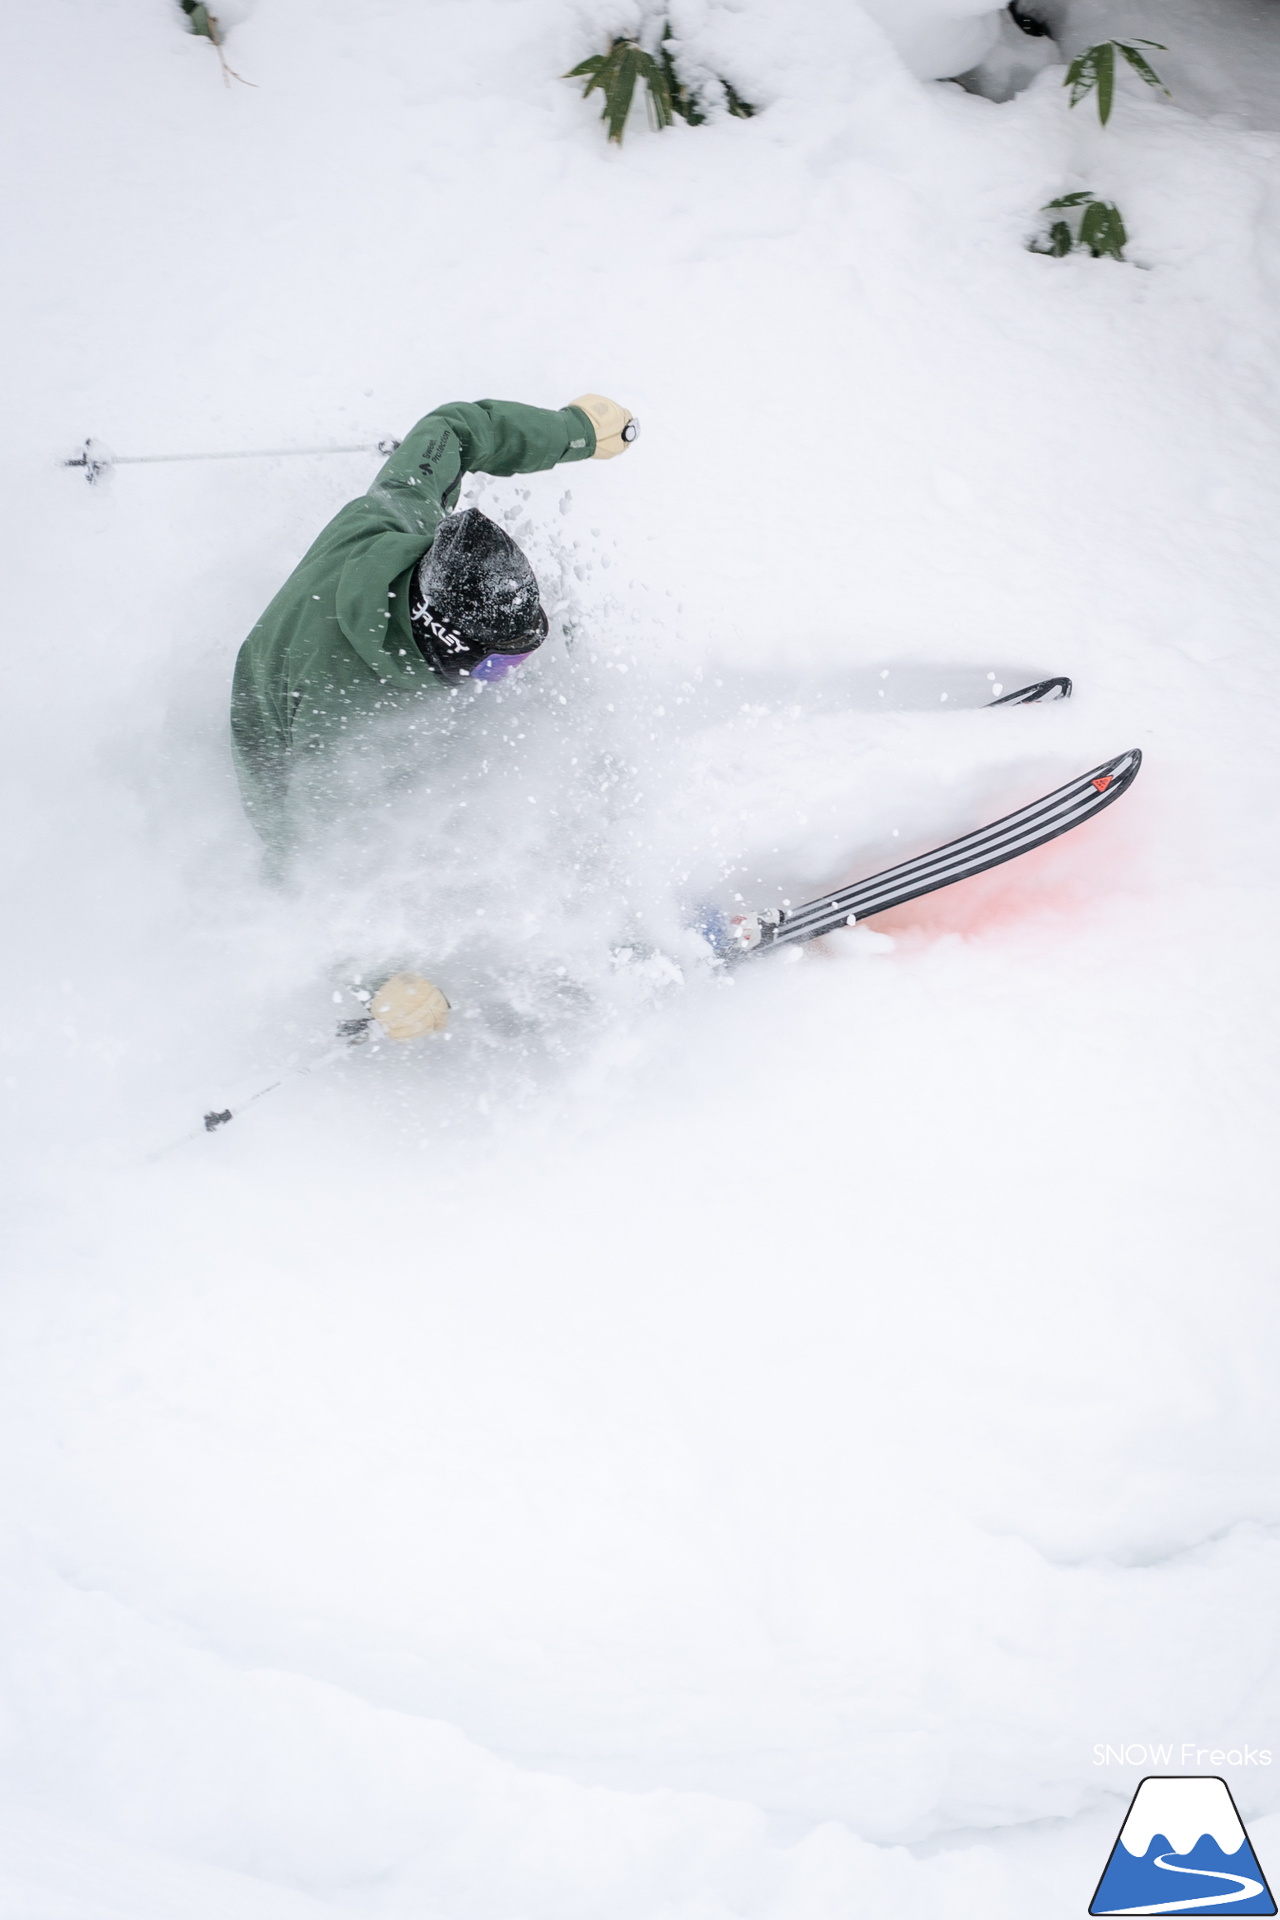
x,y
1115,777
1058,688
1123,767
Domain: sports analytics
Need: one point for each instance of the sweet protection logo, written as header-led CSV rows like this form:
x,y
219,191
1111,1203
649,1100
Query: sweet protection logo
x,y
1182,1849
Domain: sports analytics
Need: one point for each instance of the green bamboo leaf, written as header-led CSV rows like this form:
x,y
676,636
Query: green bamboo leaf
x,y
658,102
1082,75
1068,200
620,86
1056,242
1102,230
591,66
1106,70
682,101
1118,235
1142,66
739,108
1094,223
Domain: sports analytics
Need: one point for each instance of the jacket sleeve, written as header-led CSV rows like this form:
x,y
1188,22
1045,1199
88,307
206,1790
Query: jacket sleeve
x,y
420,481
260,750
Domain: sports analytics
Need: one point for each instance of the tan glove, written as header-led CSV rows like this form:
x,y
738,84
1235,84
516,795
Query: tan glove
x,y
615,427
407,1006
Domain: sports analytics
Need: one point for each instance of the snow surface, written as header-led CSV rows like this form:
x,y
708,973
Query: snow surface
x,y
671,1449
938,37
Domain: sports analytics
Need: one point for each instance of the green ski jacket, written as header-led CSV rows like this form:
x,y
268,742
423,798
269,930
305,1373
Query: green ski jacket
x,y
336,644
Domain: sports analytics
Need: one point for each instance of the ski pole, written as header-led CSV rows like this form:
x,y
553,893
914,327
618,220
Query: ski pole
x,y
94,459
350,1033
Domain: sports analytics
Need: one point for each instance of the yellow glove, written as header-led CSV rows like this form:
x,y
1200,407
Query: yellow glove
x,y
615,427
407,1006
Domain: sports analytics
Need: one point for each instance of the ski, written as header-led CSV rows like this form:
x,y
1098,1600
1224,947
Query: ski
x,y
1059,688
1031,826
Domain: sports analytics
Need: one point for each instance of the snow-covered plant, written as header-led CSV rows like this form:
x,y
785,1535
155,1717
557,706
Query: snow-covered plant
x,y
690,102
615,75
1095,68
1100,230
205,23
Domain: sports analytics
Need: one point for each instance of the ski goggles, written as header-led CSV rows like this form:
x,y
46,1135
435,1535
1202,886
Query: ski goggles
x,y
496,666
454,656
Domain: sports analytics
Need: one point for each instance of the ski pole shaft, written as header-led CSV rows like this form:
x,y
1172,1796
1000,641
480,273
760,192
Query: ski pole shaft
x,y
95,460
351,1033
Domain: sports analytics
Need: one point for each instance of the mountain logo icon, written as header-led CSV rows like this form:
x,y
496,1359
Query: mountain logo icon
x,y
1182,1849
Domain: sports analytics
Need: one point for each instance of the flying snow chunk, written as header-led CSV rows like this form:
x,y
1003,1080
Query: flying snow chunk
x,y
1182,1850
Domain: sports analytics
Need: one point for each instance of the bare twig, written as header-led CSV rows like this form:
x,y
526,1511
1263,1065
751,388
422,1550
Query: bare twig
x,y
206,25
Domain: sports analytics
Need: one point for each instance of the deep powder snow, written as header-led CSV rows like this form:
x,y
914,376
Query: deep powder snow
x,y
679,1446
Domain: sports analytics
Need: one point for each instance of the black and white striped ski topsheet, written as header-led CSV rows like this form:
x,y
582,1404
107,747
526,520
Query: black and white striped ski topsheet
x,y
1031,826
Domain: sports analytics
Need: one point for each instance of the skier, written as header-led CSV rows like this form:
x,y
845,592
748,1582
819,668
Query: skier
x,y
399,599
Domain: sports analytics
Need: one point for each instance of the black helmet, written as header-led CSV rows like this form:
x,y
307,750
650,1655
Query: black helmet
x,y
476,595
